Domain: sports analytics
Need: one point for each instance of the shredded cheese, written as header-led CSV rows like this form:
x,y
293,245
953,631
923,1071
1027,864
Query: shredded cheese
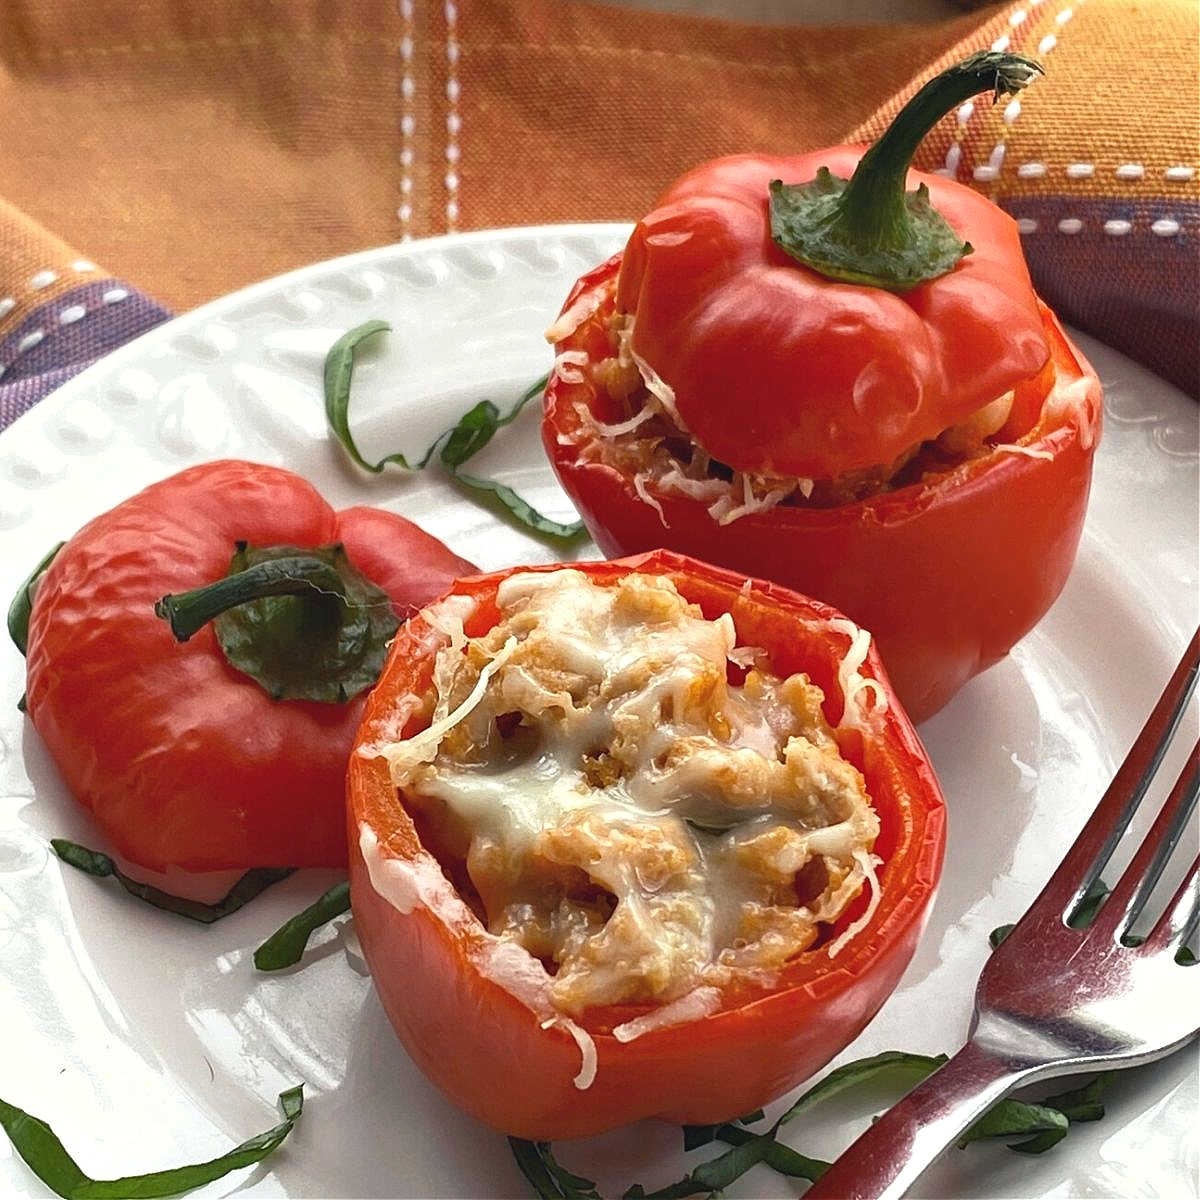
x,y
447,617
587,1049
567,365
622,427
404,756
571,319
656,385
866,864
744,656
697,489
691,1007
1028,451
725,512
851,680
639,486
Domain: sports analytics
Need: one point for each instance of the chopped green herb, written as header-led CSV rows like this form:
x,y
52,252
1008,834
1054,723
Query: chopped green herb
x,y
1000,933
21,608
1082,1104
524,512
776,1155
1089,905
286,945
339,370
470,434
47,1157
92,862
550,1180
892,1069
1014,1118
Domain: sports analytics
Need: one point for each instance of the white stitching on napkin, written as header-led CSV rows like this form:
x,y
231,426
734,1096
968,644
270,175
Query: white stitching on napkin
x,y
453,117
408,121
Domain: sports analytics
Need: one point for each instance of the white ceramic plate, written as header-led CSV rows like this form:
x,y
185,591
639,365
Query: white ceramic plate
x,y
148,1042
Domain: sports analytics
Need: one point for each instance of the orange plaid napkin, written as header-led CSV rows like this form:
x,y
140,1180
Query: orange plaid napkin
x,y
197,145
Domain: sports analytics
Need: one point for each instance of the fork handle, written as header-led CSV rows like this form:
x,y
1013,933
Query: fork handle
x,y
887,1159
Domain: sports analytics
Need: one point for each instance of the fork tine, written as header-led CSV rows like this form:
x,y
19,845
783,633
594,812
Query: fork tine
x,y
1093,847
1124,905
1179,922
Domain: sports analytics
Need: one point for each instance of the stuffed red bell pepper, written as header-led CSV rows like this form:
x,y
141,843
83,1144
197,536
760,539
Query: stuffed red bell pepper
x,y
634,838
843,386
228,752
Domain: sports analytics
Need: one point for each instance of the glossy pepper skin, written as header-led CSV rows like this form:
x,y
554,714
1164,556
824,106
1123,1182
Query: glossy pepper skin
x,y
182,760
435,965
778,369
948,574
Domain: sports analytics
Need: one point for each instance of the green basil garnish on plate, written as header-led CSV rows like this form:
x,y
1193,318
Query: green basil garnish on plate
x,y
285,947
339,370
92,862
462,441
47,1157
21,608
549,1179
1037,1126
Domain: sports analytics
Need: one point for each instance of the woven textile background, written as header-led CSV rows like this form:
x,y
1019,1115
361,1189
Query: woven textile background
x,y
191,147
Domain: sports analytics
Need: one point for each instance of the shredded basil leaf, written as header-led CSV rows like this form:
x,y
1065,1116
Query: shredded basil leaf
x,y
92,862
524,512
1000,933
1089,905
470,434
285,947
1015,1118
21,608
892,1067
550,1180
777,1155
339,370
47,1157
474,430
1082,1104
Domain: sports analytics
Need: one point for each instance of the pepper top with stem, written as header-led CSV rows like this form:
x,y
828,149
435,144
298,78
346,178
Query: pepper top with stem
x,y
303,624
869,230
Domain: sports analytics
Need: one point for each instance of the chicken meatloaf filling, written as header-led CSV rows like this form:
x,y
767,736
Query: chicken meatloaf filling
x,y
634,820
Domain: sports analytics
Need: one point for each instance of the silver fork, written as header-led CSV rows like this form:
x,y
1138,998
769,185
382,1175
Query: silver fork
x,y
1057,1000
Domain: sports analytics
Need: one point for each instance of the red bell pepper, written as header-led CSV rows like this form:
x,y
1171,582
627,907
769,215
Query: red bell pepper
x,y
185,759
813,331
460,998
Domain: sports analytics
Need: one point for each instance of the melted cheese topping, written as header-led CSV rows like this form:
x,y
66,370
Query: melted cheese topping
x,y
645,829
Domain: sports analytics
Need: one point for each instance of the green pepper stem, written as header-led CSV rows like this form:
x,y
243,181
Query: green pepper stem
x,y
872,210
188,612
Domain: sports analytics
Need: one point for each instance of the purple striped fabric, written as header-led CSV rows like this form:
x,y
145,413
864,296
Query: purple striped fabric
x,y
58,340
1127,272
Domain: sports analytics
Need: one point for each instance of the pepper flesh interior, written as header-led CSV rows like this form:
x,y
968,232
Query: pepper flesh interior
x,y
629,816
654,446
